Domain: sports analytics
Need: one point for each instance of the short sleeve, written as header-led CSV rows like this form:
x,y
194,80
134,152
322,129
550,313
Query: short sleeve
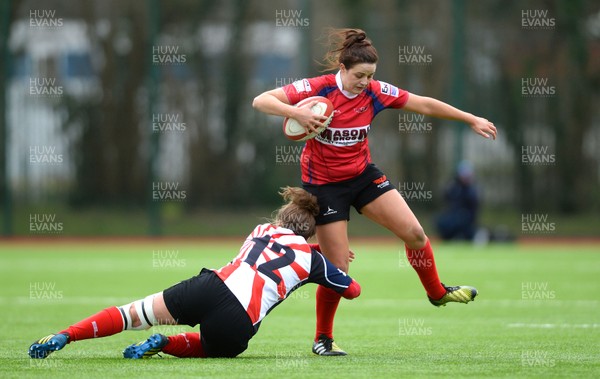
x,y
303,88
389,95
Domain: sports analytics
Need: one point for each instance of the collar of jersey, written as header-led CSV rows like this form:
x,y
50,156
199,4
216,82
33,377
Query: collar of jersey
x,y
338,81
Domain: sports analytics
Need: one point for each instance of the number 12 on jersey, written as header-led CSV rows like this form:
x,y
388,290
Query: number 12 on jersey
x,y
267,268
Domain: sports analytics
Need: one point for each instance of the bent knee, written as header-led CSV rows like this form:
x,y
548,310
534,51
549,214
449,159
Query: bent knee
x,y
341,262
339,256
415,237
343,266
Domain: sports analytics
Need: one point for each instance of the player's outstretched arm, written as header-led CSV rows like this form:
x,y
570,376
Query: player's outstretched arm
x,y
435,108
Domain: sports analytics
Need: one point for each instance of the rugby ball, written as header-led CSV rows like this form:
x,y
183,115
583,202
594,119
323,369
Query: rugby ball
x,y
292,128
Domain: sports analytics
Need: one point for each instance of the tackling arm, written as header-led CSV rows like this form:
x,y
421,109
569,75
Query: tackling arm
x,y
327,274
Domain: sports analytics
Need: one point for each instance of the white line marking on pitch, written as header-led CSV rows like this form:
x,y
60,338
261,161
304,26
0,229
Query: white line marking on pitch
x,y
552,326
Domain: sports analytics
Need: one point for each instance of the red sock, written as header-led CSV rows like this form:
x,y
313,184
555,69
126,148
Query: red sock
x,y
424,264
104,323
185,345
327,303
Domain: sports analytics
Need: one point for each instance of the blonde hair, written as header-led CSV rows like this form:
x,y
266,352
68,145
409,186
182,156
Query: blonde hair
x,y
298,214
350,47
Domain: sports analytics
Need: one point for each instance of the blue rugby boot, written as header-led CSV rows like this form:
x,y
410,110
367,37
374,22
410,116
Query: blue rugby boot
x,y
146,349
43,347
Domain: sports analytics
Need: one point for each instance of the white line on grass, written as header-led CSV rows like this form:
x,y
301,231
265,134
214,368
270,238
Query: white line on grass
x,y
504,303
20,300
552,326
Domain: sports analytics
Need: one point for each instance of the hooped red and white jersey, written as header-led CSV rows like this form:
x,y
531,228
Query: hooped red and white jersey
x,y
273,262
341,151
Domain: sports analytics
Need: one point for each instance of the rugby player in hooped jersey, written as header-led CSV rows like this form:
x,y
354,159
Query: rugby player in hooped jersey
x,y
228,303
337,166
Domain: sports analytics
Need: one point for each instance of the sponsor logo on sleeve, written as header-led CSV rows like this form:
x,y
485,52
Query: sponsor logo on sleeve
x,y
307,85
388,89
302,85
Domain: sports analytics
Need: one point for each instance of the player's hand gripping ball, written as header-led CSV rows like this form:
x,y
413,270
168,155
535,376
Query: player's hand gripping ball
x,y
292,128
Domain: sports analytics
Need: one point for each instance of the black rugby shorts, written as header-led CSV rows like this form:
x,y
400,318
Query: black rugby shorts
x,y
335,199
225,327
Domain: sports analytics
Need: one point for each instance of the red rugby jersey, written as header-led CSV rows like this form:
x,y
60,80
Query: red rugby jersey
x,y
341,152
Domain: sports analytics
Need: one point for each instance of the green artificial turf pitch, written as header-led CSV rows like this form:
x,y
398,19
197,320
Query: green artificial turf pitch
x,y
537,314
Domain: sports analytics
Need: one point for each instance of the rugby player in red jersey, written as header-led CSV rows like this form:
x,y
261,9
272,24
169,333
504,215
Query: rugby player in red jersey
x,y
228,303
337,166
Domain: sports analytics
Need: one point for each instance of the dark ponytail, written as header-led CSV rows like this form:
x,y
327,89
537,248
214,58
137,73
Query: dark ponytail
x,y
350,47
